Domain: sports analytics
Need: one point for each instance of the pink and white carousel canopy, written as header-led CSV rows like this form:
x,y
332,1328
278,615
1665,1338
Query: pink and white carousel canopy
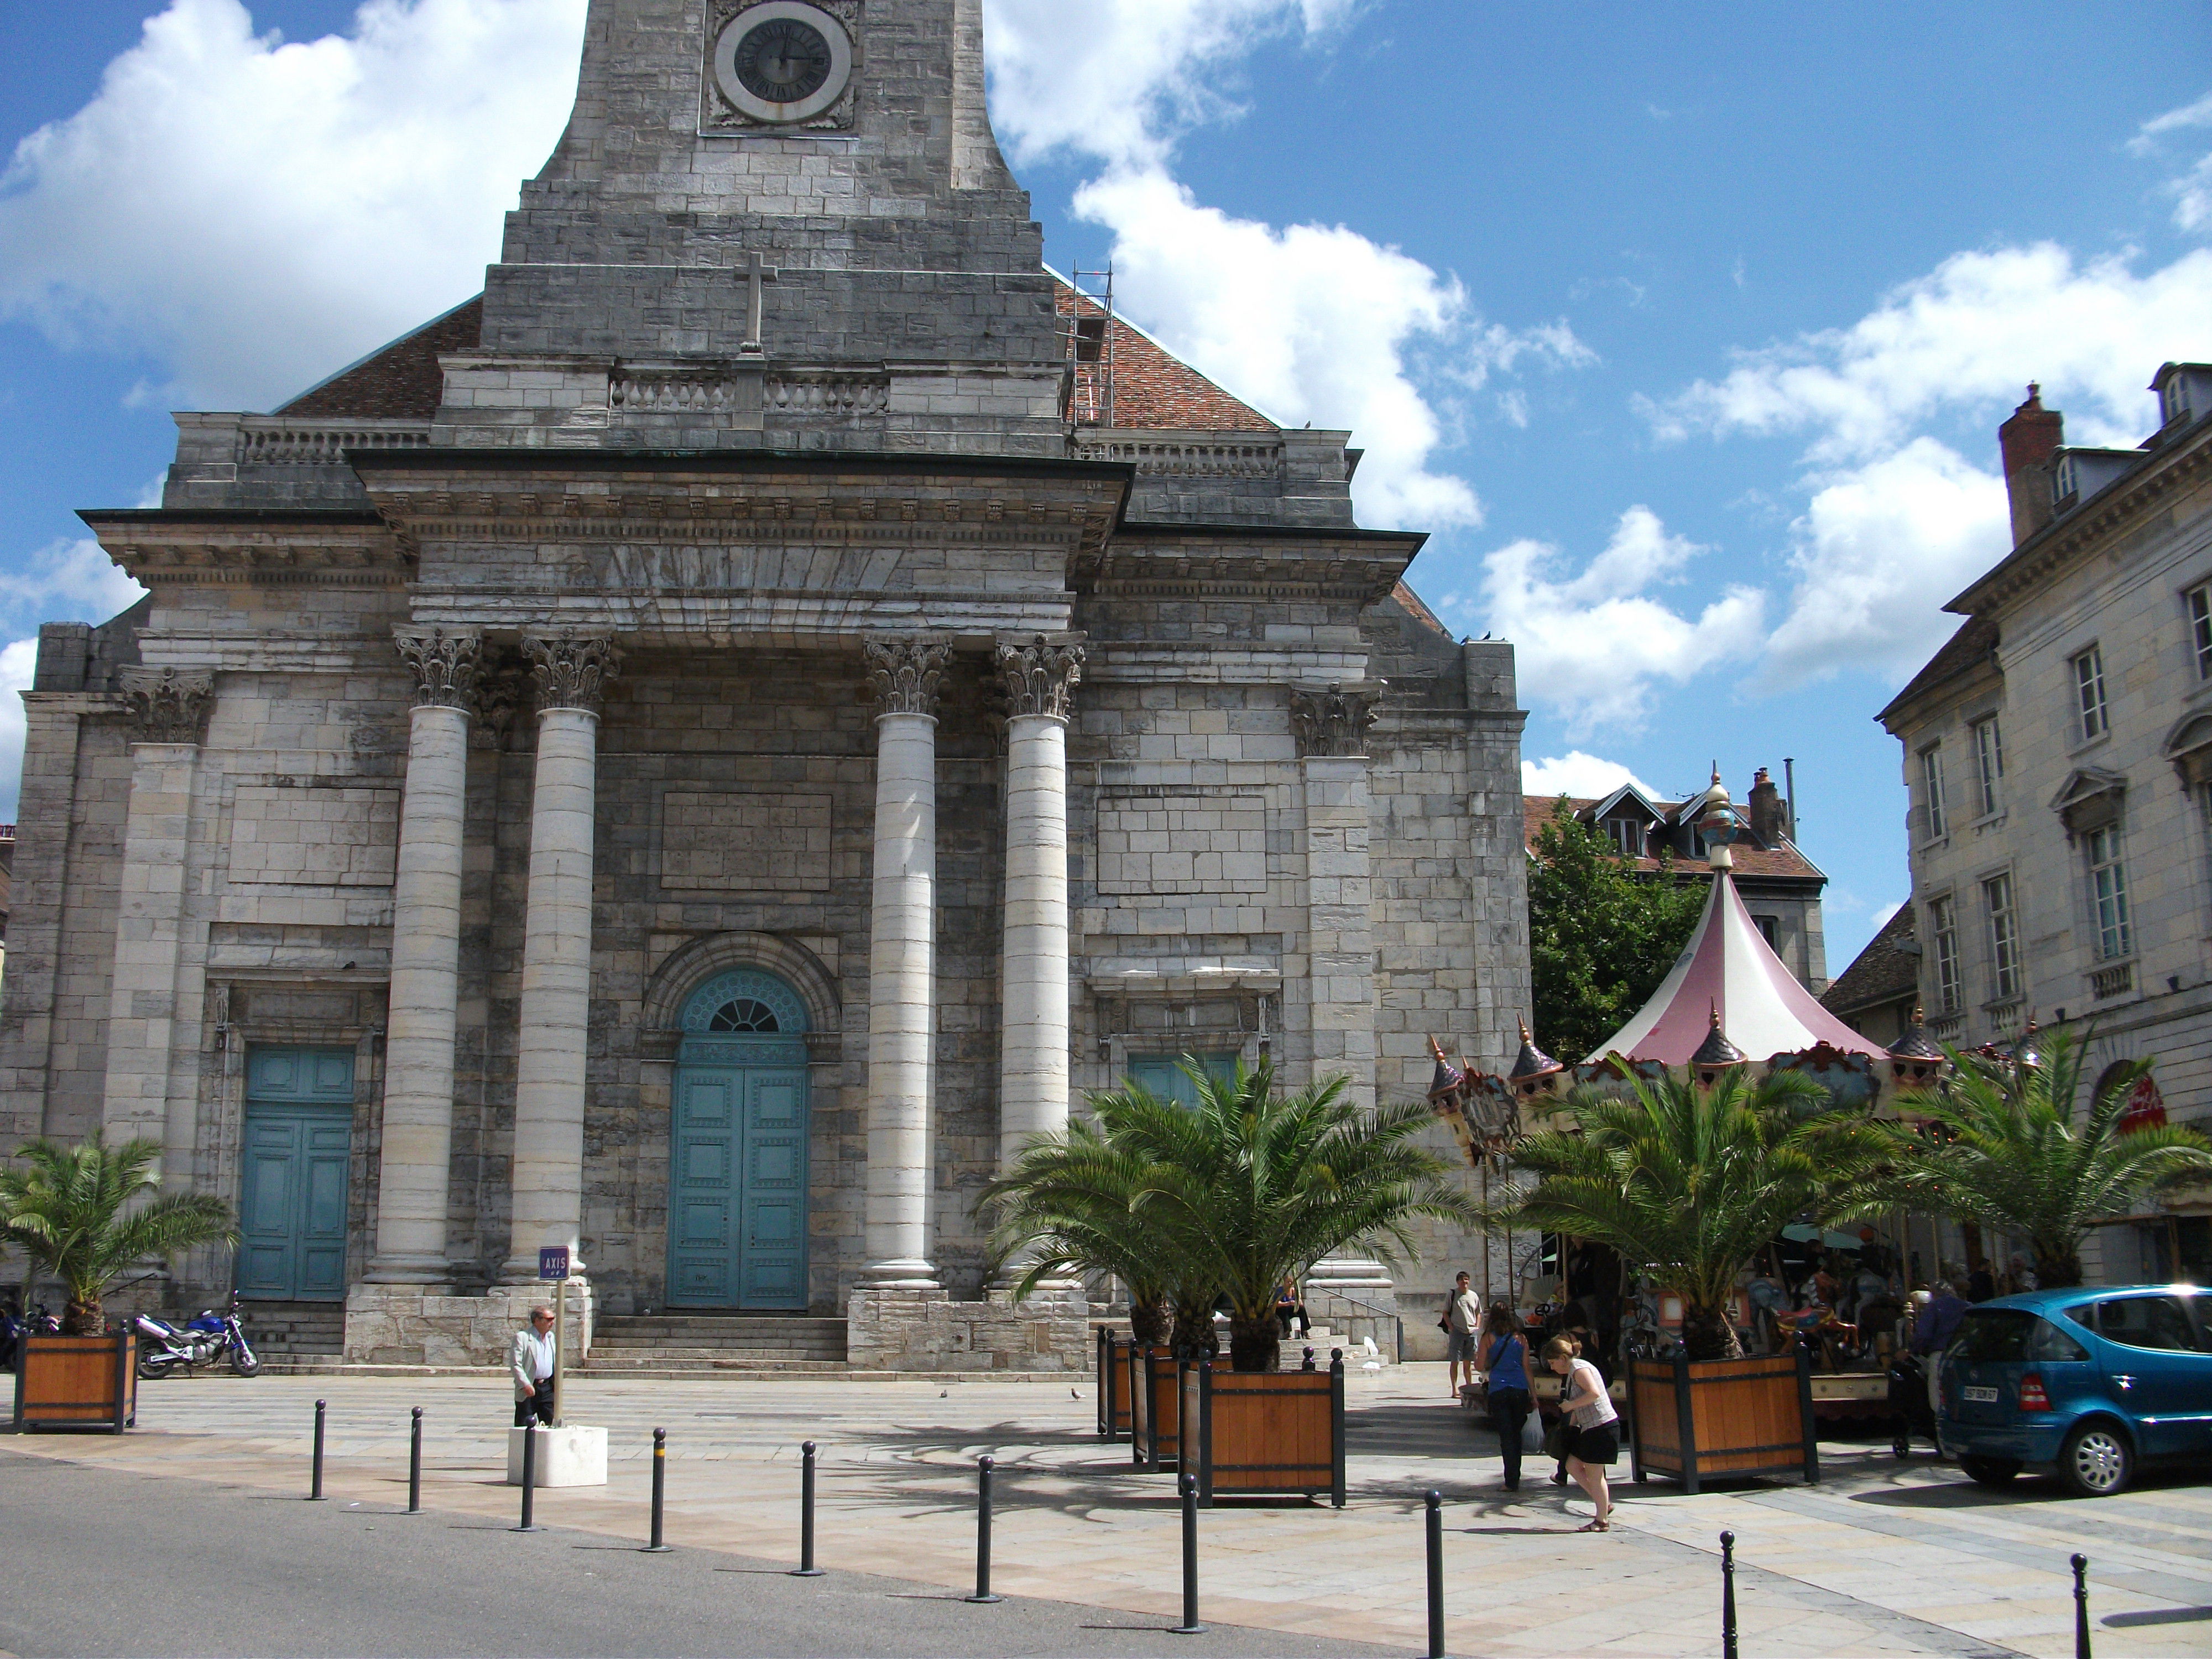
x,y
1729,967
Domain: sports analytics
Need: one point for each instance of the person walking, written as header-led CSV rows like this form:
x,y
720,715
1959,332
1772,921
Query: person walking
x,y
1505,1371
1463,1317
1593,1435
530,1359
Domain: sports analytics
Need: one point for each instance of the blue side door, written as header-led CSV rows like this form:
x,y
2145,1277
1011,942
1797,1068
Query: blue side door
x,y
2158,1371
736,1223
702,1196
297,1155
773,1268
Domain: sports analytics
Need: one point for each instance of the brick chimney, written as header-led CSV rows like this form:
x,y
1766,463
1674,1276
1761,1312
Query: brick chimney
x,y
1770,818
2027,442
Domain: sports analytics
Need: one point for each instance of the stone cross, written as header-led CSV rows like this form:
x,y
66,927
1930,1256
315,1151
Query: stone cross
x,y
753,273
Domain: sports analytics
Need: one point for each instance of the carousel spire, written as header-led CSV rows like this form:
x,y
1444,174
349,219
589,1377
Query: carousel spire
x,y
1533,1063
1717,1052
1447,1081
1915,1044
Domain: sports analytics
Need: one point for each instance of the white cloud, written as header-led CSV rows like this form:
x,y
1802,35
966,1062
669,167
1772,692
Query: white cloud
x,y
255,214
2192,191
1593,643
1877,553
1312,324
1965,339
1579,774
64,582
17,661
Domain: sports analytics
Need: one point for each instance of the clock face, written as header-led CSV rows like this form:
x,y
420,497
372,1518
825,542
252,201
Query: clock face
x,y
782,62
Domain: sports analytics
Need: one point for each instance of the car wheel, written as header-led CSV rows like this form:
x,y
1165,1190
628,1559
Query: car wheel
x,y
2096,1460
1989,1471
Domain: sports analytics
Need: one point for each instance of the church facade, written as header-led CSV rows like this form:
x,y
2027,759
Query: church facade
x,y
695,755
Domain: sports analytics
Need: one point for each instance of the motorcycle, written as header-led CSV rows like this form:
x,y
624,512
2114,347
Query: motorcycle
x,y
164,1348
15,1327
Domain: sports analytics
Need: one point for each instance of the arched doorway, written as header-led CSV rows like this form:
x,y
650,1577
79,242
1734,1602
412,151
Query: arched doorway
x,y
737,1143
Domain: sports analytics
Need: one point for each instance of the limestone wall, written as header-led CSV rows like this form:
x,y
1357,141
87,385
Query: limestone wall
x,y
915,1331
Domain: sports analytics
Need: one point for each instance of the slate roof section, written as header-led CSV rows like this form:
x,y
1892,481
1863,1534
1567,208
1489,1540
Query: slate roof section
x,y
1152,388
1783,861
1887,970
1974,643
401,382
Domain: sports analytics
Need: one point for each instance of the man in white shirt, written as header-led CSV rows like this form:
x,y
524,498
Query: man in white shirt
x,y
531,1362
1462,1321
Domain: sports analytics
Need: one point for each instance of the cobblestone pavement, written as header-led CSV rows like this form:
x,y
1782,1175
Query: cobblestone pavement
x,y
1883,1558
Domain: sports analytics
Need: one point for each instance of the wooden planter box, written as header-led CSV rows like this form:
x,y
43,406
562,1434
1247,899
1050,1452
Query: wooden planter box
x,y
1723,1417
77,1383
1114,1388
1273,1434
1155,1408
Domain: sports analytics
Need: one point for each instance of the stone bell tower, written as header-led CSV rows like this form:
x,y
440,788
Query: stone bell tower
x,y
765,205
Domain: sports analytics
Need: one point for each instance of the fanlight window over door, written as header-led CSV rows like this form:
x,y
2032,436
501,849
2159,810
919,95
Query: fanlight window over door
x,y
744,1014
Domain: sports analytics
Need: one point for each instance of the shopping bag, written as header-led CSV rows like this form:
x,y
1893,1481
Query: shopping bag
x,y
1532,1434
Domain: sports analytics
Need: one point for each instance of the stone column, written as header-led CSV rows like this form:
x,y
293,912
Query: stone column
x,y
902,963
426,949
1332,729
1039,676
570,673
168,715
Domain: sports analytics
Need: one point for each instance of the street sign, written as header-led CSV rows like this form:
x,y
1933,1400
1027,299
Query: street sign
x,y
553,1262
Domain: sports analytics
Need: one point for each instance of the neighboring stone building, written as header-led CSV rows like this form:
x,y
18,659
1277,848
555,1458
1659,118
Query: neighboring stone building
x,y
816,748
2059,753
1779,885
1876,994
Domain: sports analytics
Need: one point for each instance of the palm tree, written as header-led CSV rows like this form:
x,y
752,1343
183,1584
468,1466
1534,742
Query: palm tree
x,y
1686,1180
67,1213
1075,1202
1254,1186
2007,1153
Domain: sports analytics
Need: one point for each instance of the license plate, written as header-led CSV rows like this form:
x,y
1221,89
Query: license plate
x,y
1981,1396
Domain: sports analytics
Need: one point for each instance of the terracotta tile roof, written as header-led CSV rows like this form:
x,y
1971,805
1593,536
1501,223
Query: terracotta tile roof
x,y
1784,860
1886,971
1153,388
400,381
1419,612
1973,644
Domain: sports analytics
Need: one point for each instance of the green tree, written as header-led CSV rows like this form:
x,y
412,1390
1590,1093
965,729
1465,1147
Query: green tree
x,y
76,1212
1601,933
2007,1153
1687,1181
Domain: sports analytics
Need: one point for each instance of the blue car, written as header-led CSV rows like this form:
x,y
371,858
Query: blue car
x,y
2089,1381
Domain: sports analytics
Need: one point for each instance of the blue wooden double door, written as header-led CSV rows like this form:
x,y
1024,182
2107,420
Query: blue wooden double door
x,y
736,1225
297,1156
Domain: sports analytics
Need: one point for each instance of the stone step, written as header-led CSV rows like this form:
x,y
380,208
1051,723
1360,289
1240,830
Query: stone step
x,y
651,1364
295,1327
602,1353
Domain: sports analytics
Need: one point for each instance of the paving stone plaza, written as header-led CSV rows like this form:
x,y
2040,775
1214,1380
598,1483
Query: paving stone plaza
x,y
1881,1558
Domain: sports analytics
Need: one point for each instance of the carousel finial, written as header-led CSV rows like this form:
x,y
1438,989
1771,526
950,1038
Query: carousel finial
x,y
1716,1053
1533,1064
1446,1084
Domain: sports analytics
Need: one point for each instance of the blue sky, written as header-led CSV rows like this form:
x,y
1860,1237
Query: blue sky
x,y
1686,330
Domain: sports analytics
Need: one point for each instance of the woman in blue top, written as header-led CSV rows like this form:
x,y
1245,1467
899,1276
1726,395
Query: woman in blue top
x,y
1505,1366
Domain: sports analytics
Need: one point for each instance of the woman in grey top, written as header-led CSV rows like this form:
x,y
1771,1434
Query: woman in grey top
x,y
1593,1434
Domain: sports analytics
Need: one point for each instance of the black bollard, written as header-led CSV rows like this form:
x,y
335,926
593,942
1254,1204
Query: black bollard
x,y
659,1489
315,1482
983,1467
529,1476
1436,1505
806,1569
1728,1596
1188,1485
414,1466
1308,1362
2081,1606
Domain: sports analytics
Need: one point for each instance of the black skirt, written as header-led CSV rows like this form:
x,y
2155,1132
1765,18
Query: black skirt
x,y
1599,1445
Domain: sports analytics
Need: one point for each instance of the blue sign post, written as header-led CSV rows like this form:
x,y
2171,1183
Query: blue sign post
x,y
553,1268
553,1263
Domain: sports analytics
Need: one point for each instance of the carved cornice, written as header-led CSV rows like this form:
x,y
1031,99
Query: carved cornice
x,y
1335,722
572,671
216,547
1040,674
906,668
445,666
168,706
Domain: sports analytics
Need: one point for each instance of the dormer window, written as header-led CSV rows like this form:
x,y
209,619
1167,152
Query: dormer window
x,y
2173,400
2063,481
1626,835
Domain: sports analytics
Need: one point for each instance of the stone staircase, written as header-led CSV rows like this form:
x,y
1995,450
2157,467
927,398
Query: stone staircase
x,y
637,1345
283,1332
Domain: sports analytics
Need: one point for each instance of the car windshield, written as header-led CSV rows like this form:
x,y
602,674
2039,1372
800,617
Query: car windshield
x,y
2146,1321
2012,1333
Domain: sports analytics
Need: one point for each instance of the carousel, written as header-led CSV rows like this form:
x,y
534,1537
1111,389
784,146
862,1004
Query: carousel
x,y
1729,1002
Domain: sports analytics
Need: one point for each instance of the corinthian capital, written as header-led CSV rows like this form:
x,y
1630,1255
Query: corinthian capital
x,y
571,671
907,668
445,666
1040,674
168,706
1334,722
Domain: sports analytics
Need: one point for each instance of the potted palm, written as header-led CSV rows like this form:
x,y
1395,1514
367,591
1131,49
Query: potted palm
x,y
1686,1179
2008,1152
86,1215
